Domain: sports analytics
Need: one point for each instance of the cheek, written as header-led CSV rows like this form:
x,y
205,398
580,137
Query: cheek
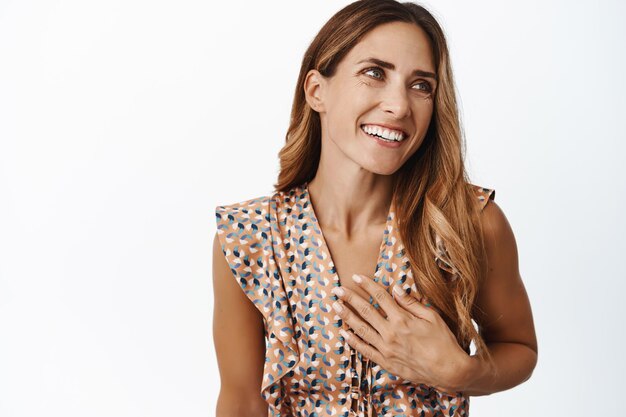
x,y
430,112
344,116
423,116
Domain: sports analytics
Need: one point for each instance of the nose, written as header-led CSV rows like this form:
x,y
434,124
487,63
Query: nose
x,y
396,101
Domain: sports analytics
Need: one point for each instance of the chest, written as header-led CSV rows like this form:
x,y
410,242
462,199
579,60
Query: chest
x,y
311,264
355,256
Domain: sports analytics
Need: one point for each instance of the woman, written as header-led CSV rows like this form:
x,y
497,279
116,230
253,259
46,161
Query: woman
x,y
356,282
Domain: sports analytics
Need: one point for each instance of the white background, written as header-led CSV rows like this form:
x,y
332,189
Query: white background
x,y
124,123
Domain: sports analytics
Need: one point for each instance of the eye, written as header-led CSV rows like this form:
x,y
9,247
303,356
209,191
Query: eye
x,y
375,70
424,86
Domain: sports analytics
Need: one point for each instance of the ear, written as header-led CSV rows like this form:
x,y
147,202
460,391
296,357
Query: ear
x,y
314,84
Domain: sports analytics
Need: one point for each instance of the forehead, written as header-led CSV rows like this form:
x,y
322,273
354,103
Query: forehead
x,y
400,43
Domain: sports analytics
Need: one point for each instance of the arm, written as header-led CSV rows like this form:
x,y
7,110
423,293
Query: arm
x,y
503,314
239,344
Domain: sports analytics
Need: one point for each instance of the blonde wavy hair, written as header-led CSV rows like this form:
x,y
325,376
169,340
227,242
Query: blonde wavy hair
x,y
432,193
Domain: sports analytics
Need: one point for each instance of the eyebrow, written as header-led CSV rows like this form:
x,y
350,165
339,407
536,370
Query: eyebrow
x,y
390,66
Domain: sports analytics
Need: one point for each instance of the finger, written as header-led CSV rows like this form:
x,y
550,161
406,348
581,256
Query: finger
x,y
379,293
360,327
419,307
366,350
362,307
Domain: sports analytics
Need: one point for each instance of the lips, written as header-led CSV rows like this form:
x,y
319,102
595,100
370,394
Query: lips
x,y
393,144
383,134
387,126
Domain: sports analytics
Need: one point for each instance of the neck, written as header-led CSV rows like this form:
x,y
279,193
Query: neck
x,y
349,205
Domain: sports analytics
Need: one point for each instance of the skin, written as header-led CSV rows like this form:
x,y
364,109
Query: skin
x,y
239,344
410,330
352,189
351,193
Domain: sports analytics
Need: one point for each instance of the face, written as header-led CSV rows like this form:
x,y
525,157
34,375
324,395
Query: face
x,y
384,85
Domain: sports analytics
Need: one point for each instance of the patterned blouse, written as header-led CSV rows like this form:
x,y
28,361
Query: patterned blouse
x,y
277,253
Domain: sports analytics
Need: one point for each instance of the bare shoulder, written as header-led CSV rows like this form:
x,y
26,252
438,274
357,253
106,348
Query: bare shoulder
x,y
497,232
502,309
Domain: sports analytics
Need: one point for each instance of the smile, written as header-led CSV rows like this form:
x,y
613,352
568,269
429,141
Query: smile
x,y
388,135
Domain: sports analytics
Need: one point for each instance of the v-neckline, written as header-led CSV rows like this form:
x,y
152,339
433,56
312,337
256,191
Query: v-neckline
x,y
356,361
324,245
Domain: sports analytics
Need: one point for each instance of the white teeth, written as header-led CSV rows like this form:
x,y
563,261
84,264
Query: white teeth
x,y
391,135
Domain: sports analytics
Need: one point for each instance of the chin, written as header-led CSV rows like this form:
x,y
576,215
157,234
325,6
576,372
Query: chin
x,y
381,169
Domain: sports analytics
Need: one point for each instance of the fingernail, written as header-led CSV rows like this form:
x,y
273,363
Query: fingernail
x,y
357,279
338,307
398,290
344,334
337,291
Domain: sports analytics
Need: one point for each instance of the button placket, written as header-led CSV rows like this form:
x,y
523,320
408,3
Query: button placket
x,y
365,386
360,369
355,388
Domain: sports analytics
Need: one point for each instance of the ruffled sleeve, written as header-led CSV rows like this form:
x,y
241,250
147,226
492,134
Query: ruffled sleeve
x,y
484,195
246,236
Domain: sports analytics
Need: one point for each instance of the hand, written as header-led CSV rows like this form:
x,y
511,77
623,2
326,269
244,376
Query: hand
x,y
412,342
